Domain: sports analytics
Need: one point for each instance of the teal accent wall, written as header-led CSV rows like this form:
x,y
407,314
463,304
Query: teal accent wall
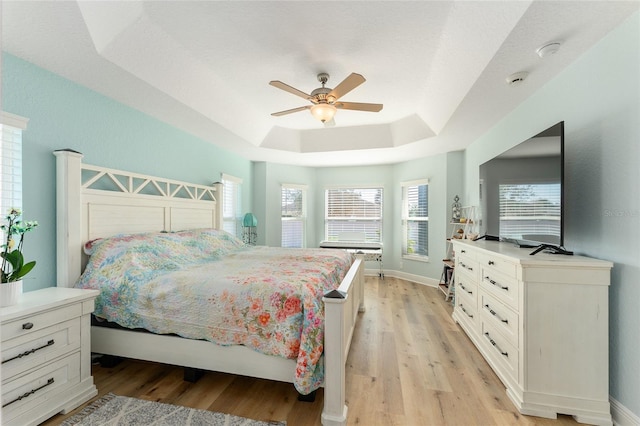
x,y
598,97
63,114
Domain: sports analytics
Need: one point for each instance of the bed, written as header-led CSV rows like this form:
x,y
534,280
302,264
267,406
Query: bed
x,y
100,204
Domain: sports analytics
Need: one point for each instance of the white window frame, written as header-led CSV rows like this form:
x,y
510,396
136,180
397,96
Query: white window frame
x,y
231,204
359,222
407,219
288,219
11,128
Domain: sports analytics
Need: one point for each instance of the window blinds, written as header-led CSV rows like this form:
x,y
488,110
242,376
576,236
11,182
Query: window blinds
x,y
353,210
231,204
416,219
293,202
11,127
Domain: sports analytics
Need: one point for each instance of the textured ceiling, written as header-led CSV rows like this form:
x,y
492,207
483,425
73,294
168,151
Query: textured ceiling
x,y
438,67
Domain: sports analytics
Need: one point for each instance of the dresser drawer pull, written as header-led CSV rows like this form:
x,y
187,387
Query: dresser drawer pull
x,y
506,321
463,251
465,266
27,326
496,345
492,282
465,289
26,394
29,352
491,262
465,311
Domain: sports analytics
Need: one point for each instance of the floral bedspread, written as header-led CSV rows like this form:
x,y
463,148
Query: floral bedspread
x,y
206,284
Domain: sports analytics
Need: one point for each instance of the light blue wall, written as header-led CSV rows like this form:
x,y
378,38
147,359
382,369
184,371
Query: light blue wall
x,y
269,178
598,97
63,114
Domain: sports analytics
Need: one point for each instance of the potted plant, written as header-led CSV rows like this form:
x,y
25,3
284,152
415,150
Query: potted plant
x,y
14,267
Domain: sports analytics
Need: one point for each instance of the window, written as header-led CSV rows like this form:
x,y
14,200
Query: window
x,y
293,215
11,127
231,204
353,210
529,209
415,219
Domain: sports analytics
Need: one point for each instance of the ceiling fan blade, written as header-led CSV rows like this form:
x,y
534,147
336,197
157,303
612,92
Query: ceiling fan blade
x,y
348,84
287,88
358,106
289,111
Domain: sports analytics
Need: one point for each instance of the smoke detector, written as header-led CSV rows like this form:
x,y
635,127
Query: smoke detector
x,y
517,78
548,49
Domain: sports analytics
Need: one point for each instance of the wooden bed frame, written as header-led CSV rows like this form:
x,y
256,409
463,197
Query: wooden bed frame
x,y
97,202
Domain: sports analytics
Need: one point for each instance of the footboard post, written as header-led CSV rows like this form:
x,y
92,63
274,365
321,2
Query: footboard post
x,y
335,410
341,309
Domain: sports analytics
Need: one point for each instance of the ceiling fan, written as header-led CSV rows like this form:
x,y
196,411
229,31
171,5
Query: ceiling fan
x,y
324,100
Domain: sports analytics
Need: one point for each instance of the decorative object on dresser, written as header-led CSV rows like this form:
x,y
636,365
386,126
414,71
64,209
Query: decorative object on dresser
x,y
541,322
148,204
463,224
13,266
46,355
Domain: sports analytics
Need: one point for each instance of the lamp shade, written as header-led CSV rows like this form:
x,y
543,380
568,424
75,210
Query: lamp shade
x,y
249,220
323,112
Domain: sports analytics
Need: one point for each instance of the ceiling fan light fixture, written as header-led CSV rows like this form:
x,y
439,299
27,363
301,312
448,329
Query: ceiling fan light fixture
x,y
323,112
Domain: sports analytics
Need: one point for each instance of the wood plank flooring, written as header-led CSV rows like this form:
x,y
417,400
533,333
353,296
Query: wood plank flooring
x,y
409,364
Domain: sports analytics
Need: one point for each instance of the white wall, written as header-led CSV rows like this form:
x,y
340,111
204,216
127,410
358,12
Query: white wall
x,y
598,97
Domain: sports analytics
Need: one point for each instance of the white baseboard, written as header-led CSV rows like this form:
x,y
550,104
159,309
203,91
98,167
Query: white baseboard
x,y
419,279
622,416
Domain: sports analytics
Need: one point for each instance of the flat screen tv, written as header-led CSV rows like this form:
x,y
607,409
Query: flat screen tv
x,y
521,192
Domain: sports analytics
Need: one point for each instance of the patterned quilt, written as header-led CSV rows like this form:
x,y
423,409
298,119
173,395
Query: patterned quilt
x,y
206,284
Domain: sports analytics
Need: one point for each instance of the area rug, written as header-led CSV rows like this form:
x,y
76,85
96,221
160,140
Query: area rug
x,y
115,410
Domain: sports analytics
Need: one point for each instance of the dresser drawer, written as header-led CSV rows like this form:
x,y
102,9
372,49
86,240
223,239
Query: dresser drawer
x,y
502,318
33,323
467,285
37,348
489,260
25,393
468,308
465,252
503,353
466,264
502,287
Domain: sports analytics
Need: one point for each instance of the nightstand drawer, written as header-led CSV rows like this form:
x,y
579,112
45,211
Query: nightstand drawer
x,y
34,349
27,392
33,323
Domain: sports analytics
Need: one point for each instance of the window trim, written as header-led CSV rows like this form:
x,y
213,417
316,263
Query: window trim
x,y
302,218
354,187
405,219
237,209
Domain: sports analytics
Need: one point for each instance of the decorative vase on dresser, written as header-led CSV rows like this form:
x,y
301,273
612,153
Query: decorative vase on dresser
x,y
46,354
10,292
542,324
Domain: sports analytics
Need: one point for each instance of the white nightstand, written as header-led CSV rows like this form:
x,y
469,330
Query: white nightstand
x,y
46,354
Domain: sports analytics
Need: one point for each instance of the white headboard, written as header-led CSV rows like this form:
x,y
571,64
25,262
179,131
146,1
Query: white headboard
x,y
97,202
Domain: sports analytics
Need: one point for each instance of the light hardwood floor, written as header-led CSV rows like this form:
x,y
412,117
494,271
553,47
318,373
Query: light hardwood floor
x,y
409,364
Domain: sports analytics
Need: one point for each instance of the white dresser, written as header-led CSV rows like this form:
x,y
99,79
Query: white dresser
x,y
46,354
542,323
